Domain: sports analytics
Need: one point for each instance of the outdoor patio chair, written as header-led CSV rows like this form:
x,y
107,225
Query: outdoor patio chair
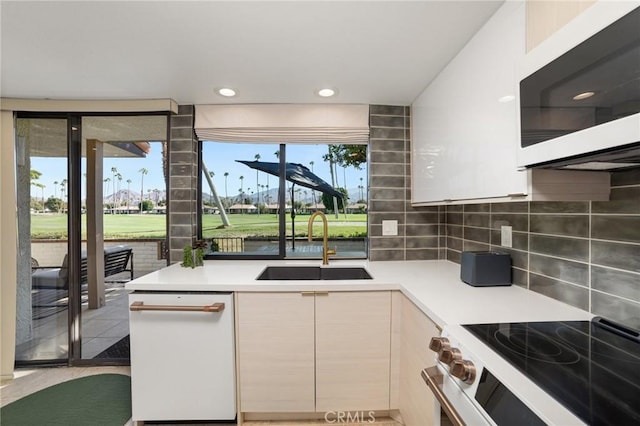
x,y
116,260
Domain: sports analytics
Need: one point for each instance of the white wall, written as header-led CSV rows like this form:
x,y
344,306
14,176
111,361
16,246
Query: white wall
x,y
8,246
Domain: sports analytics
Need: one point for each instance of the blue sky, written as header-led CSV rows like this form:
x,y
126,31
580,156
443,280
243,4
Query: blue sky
x,y
55,169
219,158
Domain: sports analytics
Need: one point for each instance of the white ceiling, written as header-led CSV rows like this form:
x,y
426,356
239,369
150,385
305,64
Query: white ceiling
x,y
373,52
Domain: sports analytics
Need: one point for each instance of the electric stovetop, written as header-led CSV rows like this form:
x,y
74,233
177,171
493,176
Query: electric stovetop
x,y
591,367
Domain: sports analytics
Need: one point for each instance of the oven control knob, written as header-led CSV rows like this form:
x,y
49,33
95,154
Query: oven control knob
x,y
438,344
463,370
449,355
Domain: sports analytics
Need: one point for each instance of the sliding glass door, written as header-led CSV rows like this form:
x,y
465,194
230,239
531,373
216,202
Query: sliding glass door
x,y
123,205
43,296
91,199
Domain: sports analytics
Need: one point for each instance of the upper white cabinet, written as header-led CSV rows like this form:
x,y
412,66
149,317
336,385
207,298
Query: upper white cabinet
x,y
466,128
465,122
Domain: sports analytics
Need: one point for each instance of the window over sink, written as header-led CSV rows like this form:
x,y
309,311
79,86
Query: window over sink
x,y
256,199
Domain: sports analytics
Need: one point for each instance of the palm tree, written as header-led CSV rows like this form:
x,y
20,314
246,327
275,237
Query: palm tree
x,y
128,194
241,184
34,174
114,172
41,186
211,175
313,193
344,176
55,189
143,172
361,190
226,175
257,157
63,191
106,186
331,158
119,177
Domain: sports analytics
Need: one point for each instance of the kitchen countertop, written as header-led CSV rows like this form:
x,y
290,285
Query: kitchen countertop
x,y
433,285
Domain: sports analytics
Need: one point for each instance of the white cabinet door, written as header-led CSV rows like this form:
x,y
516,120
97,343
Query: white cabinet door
x,y
353,335
182,363
276,352
418,406
465,130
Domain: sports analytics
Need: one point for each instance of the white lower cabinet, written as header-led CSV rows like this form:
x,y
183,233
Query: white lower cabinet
x,y
182,362
353,332
418,406
276,352
314,351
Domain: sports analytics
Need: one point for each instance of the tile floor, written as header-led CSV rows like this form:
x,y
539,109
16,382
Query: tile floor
x,y
101,328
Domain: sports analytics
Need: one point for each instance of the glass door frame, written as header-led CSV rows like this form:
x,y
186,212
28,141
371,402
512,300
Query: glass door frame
x,y
74,228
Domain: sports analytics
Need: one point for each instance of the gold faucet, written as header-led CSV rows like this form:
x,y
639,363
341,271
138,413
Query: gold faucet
x,y
325,236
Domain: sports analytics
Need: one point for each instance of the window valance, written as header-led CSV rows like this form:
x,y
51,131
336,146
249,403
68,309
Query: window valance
x,y
283,123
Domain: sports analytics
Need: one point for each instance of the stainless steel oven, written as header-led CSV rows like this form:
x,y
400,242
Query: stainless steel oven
x,y
554,373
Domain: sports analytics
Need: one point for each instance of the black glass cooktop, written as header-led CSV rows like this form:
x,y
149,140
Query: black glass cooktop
x,y
591,370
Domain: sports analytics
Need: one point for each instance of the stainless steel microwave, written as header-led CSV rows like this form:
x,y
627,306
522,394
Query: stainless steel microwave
x,y
580,95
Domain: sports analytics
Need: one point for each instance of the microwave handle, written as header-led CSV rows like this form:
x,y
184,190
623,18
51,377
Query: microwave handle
x,y
433,378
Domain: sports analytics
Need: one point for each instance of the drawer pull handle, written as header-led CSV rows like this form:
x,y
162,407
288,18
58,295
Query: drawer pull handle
x,y
140,306
314,293
517,194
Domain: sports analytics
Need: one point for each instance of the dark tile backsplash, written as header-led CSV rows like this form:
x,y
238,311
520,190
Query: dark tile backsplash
x,y
419,229
586,254
183,154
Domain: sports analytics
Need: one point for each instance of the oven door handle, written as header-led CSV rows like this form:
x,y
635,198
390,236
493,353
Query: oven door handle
x,y
434,379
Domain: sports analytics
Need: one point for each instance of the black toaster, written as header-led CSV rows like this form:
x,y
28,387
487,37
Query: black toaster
x,y
485,268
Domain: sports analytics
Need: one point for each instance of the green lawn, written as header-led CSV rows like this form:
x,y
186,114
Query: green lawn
x,y
54,226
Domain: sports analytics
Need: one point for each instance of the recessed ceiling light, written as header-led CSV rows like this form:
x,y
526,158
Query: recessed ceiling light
x,y
506,98
326,92
227,92
583,95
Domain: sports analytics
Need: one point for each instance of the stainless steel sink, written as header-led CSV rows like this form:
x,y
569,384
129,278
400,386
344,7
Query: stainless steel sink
x,y
313,273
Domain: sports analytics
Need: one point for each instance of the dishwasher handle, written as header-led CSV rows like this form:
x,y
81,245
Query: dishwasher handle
x,y
140,306
434,378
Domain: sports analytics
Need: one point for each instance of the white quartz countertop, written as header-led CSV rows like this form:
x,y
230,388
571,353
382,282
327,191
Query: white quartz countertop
x,y
434,286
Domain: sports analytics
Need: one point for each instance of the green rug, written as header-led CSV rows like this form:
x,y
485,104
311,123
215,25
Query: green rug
x,y
102,399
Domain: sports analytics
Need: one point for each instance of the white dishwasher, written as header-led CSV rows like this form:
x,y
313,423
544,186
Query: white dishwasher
x,y
182,356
